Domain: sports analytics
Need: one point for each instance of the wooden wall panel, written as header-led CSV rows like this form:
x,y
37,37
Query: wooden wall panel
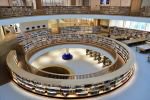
x,y
135,6
38,4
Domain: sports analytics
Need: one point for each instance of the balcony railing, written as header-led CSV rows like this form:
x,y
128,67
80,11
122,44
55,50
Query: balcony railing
x,y
18,11
115,10
145,11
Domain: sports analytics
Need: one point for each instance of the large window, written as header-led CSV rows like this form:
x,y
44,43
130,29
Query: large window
x,y
138,25
53,2
118,23
130,24
104,2
126,24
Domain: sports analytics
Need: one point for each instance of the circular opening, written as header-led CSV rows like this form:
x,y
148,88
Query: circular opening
x,y
56,70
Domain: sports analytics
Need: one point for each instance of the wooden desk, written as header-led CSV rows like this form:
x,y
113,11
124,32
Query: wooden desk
x,y
143,48
134,41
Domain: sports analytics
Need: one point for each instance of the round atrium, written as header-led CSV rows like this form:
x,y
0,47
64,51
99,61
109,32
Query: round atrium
x,y
74,49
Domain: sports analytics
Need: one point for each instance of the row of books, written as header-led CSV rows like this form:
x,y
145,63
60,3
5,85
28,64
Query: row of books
x,y
76,91
40,38
65,9
128,33
7,11
116,10
13,11
36,34
80,29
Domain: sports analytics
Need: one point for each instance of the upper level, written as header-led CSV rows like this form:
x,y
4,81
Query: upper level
x,y
18,8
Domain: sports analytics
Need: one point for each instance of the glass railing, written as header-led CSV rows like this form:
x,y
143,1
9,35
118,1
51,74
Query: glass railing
x,y
18,11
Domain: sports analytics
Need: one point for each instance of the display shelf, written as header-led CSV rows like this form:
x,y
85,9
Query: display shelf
x,y
115,10
127,34
80,29
78,91
15,11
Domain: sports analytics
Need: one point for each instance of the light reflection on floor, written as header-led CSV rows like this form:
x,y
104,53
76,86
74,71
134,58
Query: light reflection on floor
x,y
80,60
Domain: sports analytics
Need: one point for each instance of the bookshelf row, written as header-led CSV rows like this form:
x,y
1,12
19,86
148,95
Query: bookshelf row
x,y
33,41
80,29
15,11
128,33
72,91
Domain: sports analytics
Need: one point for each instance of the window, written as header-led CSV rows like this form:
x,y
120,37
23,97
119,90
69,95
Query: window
x,y
104,2
148,27
138,25
130,25
118,23
127,24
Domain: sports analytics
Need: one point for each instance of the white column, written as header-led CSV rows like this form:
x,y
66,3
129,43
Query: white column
x,y
2,36
34,4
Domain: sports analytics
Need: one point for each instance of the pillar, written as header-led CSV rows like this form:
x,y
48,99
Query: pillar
x,y
2,36
73,2
95,5
37,4
135,7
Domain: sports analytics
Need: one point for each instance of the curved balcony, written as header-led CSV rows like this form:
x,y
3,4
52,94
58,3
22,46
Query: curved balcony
x,y
73,86
19,11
